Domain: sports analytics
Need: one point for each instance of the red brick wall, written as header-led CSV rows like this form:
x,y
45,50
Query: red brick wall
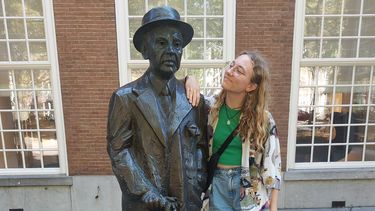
x,y
267,26
87,53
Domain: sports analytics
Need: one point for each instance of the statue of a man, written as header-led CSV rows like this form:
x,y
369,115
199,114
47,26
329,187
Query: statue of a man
x,y
156,140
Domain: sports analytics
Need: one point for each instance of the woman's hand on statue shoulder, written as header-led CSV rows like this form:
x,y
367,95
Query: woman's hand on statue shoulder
x,y
192,90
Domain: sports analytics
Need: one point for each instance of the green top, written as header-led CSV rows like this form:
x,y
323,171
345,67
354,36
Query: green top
x,y
233,153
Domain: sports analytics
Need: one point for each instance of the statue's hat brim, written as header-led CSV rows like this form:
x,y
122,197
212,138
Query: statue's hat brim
x,y
162,16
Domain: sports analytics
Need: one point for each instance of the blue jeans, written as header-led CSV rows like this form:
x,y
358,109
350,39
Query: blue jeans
x,y
225,190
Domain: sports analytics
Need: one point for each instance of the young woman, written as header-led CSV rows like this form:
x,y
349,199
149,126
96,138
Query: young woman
x,y
248,174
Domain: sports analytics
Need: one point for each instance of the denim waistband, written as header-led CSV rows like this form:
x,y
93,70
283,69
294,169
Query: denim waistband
x,y
230,171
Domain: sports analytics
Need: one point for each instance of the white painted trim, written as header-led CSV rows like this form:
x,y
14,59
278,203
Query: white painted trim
x,y
297,53
56,87
122,47
229,29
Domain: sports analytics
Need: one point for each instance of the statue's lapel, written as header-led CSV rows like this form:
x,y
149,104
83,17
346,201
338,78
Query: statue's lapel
x,y
146,102
181,109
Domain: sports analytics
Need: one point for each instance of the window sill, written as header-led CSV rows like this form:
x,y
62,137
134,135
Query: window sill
x,y
36,180
329,174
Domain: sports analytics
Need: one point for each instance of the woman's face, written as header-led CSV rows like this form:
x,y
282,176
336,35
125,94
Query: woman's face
x,y
238,74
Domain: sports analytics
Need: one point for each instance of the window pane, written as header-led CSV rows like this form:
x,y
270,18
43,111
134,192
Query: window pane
x,y
214,50
322,116
342,96
369,6
49,140
306,96
352,6
136,73
357,134
1,14
42,79
18,51
303,154
23,79
46,119
136,7
28,120
13,7
178,5
304,135
44,99
2,28
307,76
355,153
360,94
322,134
362,75
312,26
348,48
8,120
344,75
371,118
213,77
38,51
32,159
214,27
34,7
195,50
367,48
325,75
31,140
323,98
340,116
14,159
35,29
367,28
198,73
370,153
214,7
371,133
12,140
134,54
305,115
331,26
134,24
314,6
3,51
198,26
25,100
51,159
195,7
338,153
333,6
330,48
311,48
320,154
155,3
350,26
16,29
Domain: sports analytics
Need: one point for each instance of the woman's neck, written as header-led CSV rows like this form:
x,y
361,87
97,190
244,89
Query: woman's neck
x,y
234,100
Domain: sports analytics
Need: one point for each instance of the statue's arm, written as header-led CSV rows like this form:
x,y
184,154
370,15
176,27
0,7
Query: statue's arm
x,y
202,147
119,145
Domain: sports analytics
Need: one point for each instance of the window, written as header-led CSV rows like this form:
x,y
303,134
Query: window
x,y
212,45
333,96
31,128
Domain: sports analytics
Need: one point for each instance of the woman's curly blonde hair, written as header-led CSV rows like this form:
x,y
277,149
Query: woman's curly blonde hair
x,y
254,120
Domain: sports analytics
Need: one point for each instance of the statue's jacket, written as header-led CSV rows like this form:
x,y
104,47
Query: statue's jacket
x,y
145,156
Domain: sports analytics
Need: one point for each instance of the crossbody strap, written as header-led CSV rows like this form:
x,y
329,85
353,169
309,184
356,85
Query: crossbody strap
x,y
228,140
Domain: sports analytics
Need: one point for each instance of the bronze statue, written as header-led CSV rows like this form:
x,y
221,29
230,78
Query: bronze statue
x,y
156,140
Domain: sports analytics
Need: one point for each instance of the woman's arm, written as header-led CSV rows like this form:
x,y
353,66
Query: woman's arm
x,y
273,203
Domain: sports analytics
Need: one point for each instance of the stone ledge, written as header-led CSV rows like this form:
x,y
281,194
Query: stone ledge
x,y
329,174
36,180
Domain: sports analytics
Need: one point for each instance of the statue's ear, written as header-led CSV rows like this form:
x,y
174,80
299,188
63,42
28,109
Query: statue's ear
x,y
144,51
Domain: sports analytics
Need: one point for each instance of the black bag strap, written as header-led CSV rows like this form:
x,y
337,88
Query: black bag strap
x,y
227,141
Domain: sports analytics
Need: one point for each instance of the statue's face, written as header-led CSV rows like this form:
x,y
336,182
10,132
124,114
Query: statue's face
x,y
164,50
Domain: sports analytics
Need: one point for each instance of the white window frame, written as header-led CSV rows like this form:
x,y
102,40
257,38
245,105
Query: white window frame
x,y
53,65
123,47
297,62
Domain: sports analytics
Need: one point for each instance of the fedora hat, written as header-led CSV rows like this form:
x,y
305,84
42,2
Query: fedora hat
x,y
162,16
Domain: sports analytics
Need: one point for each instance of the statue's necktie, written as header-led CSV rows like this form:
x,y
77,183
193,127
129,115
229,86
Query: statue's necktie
x,y
166,101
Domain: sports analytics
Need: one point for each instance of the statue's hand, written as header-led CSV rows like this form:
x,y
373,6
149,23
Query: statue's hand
x,y
153,199
171,204
192,90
